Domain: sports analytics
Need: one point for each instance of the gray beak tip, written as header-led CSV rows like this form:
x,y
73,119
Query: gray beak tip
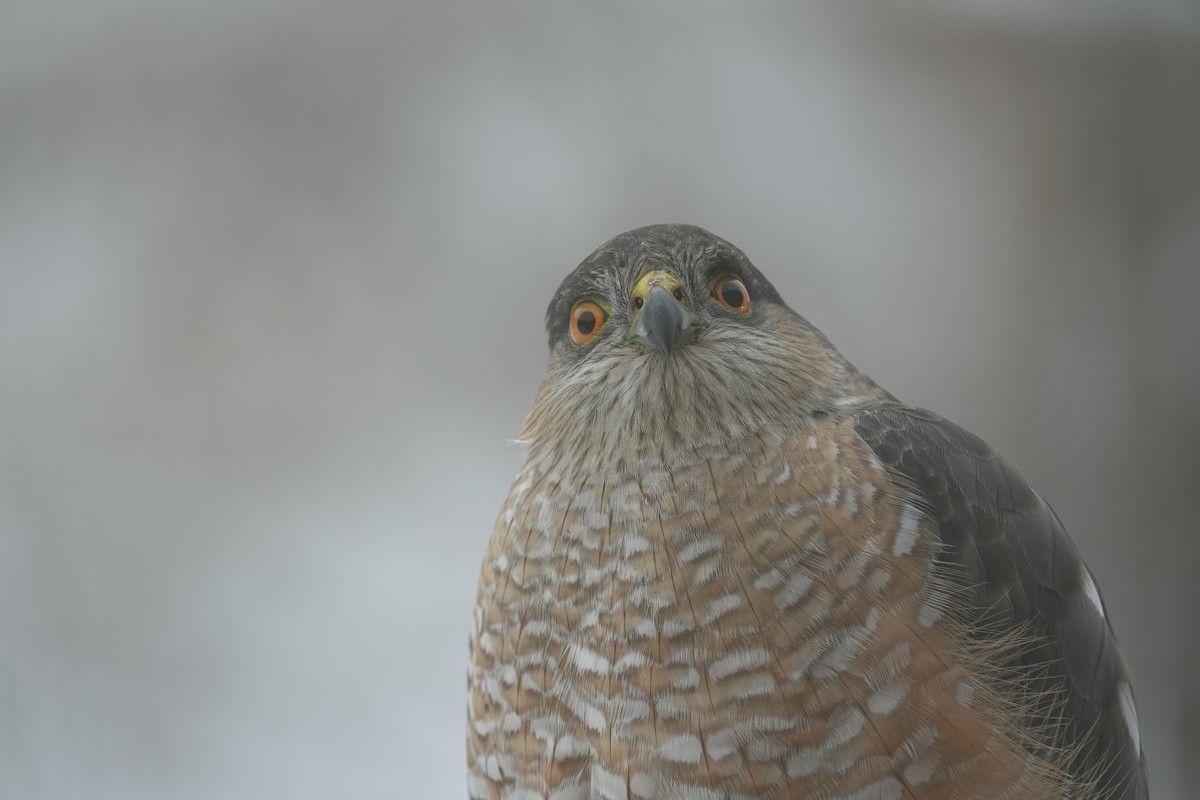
x,y
664,322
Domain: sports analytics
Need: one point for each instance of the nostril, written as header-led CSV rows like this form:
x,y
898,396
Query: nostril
x,y
638,302
678,293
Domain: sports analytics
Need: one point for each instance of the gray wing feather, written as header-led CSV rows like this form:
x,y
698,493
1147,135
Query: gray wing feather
x,y
1018,567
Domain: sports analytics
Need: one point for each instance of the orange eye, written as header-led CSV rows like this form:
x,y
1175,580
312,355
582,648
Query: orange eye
x,y
587,319
731,293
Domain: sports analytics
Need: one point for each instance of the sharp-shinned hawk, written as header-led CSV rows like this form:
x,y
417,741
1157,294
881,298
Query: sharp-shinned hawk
x,y
732,566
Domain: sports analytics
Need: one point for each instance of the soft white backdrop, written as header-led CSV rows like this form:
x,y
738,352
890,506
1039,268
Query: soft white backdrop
x,y
272,284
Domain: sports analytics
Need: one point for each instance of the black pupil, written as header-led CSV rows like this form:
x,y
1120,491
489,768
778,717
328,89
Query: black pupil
x,y
731,293
586,322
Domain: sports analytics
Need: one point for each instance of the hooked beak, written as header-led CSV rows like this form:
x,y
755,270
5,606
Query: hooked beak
x,y
663,321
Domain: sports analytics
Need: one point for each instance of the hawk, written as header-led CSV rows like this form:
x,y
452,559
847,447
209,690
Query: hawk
x,y
732,566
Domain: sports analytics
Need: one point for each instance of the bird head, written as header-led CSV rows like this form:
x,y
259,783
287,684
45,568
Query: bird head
x,y
667,339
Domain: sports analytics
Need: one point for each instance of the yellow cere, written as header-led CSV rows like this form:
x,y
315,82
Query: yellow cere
x,y
652,279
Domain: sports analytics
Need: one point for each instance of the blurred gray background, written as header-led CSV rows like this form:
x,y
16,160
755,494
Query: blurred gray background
x,y
272,284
